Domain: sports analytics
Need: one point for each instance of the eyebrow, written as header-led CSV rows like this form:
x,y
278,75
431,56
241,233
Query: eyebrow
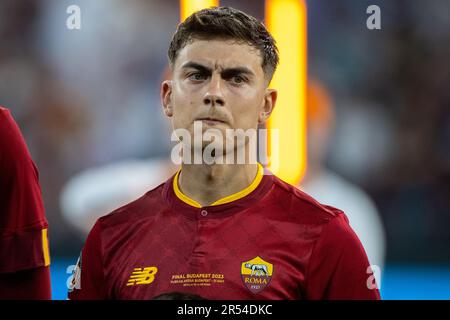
x,y
225,72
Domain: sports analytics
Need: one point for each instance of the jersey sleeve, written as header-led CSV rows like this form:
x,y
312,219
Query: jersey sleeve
x,y
87,282
31,284
338,267
23,226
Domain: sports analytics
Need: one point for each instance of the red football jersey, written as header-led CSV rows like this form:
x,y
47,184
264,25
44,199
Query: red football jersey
x,y
269,241
23,226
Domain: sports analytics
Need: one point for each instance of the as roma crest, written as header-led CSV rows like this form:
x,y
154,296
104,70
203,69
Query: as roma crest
x,y
256,274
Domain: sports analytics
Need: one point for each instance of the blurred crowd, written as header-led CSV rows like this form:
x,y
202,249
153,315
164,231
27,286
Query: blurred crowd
x,y
90,97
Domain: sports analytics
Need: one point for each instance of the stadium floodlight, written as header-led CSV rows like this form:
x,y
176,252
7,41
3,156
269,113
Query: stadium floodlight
x,y
188,7
287,22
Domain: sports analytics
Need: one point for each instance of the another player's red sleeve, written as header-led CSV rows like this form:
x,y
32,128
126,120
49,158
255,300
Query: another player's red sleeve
x,y
88,278
338,266
31,284
23,226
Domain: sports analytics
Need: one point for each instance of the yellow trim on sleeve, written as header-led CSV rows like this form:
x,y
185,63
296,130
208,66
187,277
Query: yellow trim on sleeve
x,y
45,248
227,199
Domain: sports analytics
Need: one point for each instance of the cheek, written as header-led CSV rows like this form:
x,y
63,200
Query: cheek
x,y
246,112
184,112
183,104
252,99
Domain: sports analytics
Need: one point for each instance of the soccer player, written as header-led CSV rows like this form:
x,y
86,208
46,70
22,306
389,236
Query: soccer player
x,y
24,254
222,231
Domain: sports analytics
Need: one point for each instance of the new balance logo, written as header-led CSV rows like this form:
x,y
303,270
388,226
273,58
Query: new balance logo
x,y
142,276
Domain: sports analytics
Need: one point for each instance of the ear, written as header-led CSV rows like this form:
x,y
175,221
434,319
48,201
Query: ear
x,y
270,98
166,97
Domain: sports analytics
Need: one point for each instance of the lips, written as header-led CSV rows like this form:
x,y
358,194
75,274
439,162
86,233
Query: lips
x,y
209,119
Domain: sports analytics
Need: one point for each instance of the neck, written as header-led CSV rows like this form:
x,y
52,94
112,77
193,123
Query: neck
x,y
209,183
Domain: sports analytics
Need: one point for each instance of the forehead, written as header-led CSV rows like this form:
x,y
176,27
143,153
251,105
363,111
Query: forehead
x,y
220,54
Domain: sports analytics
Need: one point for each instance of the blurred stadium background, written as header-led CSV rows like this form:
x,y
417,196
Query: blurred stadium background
x,y
89,98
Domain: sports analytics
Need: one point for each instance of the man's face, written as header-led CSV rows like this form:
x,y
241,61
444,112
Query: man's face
x,y
220,83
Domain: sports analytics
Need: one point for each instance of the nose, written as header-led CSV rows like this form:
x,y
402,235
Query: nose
x,y
214,95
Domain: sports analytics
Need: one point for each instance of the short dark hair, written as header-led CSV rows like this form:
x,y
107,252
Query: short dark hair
x,y
229,24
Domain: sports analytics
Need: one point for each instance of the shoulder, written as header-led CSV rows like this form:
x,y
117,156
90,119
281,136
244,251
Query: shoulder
x,y
307,209
145,207
8,127
4,114
15,159
327,227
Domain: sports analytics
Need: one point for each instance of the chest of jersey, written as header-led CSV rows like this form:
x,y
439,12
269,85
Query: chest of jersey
x,y
214,258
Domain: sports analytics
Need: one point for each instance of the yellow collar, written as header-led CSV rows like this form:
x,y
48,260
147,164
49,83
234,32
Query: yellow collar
x,y
230,198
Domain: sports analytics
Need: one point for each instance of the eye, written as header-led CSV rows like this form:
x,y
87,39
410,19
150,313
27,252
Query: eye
x,y
197,76
238,79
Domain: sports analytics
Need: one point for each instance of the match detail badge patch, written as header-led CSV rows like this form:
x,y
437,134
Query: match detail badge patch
x,y
256,274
